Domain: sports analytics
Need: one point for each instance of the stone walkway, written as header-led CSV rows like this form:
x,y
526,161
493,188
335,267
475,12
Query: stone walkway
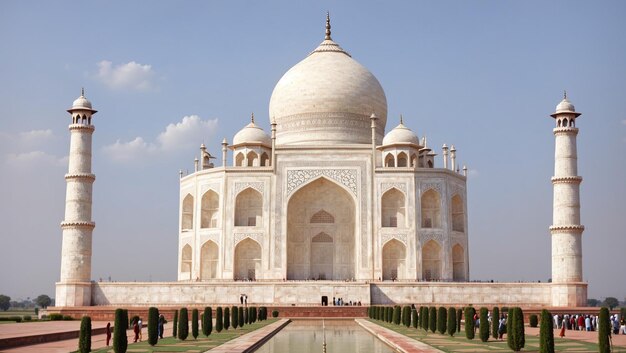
x,y
592,337
397,341
252,340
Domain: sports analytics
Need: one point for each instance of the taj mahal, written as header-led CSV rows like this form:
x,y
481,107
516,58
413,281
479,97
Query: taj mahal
x,y
332,201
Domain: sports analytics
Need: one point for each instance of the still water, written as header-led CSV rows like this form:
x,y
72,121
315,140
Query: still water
x,y
305,336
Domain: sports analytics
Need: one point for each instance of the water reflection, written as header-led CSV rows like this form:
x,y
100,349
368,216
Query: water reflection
x,y
304,336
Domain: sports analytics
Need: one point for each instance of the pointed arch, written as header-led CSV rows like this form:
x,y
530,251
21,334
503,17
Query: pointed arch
x,y
249,209
322,217
558,123
565,122
431,209
265,160
247,260
458,214
187,213
430,164
239,160
322,238
253,159
208,260
458,263
393,209
402,159
390,160
185,260
571,122
394,260
431,261
414,160
209,213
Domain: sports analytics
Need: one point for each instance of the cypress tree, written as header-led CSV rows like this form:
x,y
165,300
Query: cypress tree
x,y
254,314
396,315
414,318
495,322
84,340
240,317
425,318
218,319
451,321
483,328
432,319
442,320
235,316
249,315
175,324
546,332
120,341
387,315
226,318
406,316
420,314
469,322
183,324
459,315
604,331
207,323
153,325
515,329
194,323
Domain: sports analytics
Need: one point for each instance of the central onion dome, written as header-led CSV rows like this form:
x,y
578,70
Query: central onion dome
x,y
327,99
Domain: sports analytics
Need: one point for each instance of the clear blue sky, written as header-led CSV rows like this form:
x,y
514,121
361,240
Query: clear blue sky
x,y
483,76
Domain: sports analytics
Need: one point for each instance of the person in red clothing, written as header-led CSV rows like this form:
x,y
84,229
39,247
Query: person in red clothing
x,y
108,331
581,322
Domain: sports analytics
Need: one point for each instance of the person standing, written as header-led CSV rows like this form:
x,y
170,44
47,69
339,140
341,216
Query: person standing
x,y
136,330
108,332
140,324
161,325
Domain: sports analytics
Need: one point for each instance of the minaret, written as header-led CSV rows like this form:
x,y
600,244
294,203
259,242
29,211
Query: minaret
x,y
566,229
74,287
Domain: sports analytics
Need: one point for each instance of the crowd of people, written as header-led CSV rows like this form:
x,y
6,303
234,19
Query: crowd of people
x,y
580,322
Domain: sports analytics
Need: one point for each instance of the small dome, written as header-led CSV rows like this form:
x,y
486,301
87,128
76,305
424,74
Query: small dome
x,y
82,103
401,135
565,107
252,134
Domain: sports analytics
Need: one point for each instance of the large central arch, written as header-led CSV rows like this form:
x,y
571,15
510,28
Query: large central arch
x,y
321,232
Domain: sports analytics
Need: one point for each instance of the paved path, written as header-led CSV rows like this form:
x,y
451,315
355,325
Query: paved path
x,y
397,341
250,340
43,327
592,336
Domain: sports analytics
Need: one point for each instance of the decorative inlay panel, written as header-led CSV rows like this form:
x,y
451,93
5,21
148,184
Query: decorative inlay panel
x,y
254,236
424,237
456,189
346,177
256,185
399,186
385,237
435,186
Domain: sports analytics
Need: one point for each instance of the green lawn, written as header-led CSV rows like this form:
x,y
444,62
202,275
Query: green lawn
x,y
170,344
16,312
460,344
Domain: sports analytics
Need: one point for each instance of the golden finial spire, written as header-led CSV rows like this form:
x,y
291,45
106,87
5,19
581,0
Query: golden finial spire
x,y
82,91
564,94
401,120
252,118
327,26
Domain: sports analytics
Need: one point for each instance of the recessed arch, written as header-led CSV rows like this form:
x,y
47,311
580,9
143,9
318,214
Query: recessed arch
x,y
565,122
185,259
430,164
307,256
249,208
239,159
208,260
247,260
394,260
265,159
431,209
431,261
458,263
414,160
252,159
390,160
458,214
209,213
322,217
393,209
187,213
402,159
558,123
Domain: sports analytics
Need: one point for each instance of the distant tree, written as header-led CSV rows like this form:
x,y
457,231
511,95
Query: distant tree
x,y
43,301
495,321
5,302
546,333
451,321
194,323
593,302
611,302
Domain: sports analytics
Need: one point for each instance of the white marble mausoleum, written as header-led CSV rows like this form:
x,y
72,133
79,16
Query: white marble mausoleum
x,y
331,201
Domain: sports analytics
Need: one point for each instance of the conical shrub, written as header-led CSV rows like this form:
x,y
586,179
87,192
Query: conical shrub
x,y
451,321
546,332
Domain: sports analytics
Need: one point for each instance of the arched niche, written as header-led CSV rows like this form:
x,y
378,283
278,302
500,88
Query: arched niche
x,y
249,209
208,260
394,260
393,209
431,209
209,214
458,263
458,214
185,260
187,213
402,159
431,261
247,260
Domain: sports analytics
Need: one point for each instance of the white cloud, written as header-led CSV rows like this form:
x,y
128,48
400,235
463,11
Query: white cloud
x,y
35,158
184,135
131,75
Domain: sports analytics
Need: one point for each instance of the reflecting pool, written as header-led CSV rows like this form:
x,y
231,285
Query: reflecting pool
x,y
304,336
